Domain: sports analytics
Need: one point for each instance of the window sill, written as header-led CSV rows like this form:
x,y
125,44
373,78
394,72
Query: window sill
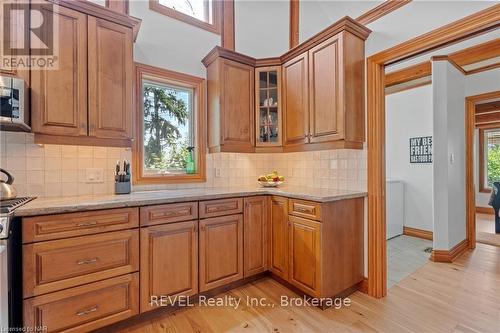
x,y
174,179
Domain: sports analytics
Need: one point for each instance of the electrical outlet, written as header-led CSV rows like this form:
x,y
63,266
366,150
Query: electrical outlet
x,y
94,175
217,173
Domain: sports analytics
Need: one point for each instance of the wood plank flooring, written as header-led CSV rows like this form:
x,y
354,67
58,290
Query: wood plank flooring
x,y
462,297
485,226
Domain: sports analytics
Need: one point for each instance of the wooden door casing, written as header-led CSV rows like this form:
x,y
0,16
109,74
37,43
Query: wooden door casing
x,y
305,255
237,109
255,235
326,102
59,96
221,251
169,262
295,100
278,236
110,66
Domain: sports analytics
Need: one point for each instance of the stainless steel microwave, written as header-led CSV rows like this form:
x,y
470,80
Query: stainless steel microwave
x,y
14,114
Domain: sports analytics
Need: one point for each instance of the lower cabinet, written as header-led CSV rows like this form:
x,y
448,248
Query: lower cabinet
x,y
255,235
169,263
278,237
85,308
305,254
221,251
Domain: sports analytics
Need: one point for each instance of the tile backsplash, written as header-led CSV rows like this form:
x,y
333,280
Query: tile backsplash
x,y
60,170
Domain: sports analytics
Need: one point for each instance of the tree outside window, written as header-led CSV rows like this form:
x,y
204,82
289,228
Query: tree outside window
x,y
492,156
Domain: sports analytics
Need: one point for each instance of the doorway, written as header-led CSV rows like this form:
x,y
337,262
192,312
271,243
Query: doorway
x,y
475,24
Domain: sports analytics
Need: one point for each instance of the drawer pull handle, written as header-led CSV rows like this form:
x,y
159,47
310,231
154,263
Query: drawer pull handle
x,y
303,210
87,261
86,312
86,224
220,208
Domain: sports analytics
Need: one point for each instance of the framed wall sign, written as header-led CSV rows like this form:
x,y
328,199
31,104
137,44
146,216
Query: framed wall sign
x,y
421,149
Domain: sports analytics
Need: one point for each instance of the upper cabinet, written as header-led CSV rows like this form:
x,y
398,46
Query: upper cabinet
x,y
230,106
310,98
110,62
87,99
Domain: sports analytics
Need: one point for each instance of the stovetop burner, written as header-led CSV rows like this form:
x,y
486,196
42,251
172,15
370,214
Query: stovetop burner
x,y
8,206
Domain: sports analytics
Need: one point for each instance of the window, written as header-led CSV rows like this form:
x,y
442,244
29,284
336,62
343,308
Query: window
x,y
204,14
170,127
489,158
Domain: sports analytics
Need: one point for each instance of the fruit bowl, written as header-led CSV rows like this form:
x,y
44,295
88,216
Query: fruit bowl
x,y
270,183
271,180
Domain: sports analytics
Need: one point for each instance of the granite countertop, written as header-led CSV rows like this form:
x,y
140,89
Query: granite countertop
x,y
58,205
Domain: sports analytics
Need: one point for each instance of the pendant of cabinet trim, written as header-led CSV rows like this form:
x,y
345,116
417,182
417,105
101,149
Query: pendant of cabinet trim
x,y
89,96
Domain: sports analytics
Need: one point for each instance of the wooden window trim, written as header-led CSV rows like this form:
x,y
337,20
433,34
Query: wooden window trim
x,y
214,27
481,167
178,79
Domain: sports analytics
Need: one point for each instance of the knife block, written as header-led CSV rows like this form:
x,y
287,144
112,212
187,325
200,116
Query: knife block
x,y
122,187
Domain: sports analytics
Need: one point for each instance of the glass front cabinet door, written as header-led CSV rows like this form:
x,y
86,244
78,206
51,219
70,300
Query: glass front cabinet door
x,y
268,106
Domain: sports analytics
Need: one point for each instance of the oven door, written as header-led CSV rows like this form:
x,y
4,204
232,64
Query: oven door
x,y
4,286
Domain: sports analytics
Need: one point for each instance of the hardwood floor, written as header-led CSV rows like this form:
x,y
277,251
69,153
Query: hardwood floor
x,y
460,297
485,233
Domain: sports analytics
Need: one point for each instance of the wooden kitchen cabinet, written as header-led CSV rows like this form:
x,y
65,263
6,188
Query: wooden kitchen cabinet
x,y
169,262
323,92
221,251
305,254
326,112
87,98
110,79
231,124
278,236
59,96
255,235
295,101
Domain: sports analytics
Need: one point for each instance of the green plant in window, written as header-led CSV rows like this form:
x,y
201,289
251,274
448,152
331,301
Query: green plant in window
x,y
493,164
163,113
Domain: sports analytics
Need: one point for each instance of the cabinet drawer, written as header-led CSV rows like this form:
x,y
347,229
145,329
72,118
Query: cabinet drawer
x,y
60,264
221,207
160,214
48,227
84,308
307,209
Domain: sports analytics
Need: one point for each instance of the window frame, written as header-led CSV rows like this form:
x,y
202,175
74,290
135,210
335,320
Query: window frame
x,y
215,26
164,76
483,173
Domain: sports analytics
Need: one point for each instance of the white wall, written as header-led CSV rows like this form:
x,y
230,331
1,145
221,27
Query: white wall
x,y
409,114
315,16
261,27
449,155
169,43
416,18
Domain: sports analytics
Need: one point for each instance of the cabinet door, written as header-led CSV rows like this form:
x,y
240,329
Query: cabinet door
x,y
326,111
169,262
110,64
59,96
237,110
278,237
305,254
295,101
221,251
255,235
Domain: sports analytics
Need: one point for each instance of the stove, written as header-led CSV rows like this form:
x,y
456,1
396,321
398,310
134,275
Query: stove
x,y
8,206
10,264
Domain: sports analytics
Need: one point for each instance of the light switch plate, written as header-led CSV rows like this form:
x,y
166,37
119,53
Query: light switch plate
x,y
94,175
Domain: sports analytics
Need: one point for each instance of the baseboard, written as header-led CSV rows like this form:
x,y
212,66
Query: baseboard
x,y
419,233
363,285
485,210
450,255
